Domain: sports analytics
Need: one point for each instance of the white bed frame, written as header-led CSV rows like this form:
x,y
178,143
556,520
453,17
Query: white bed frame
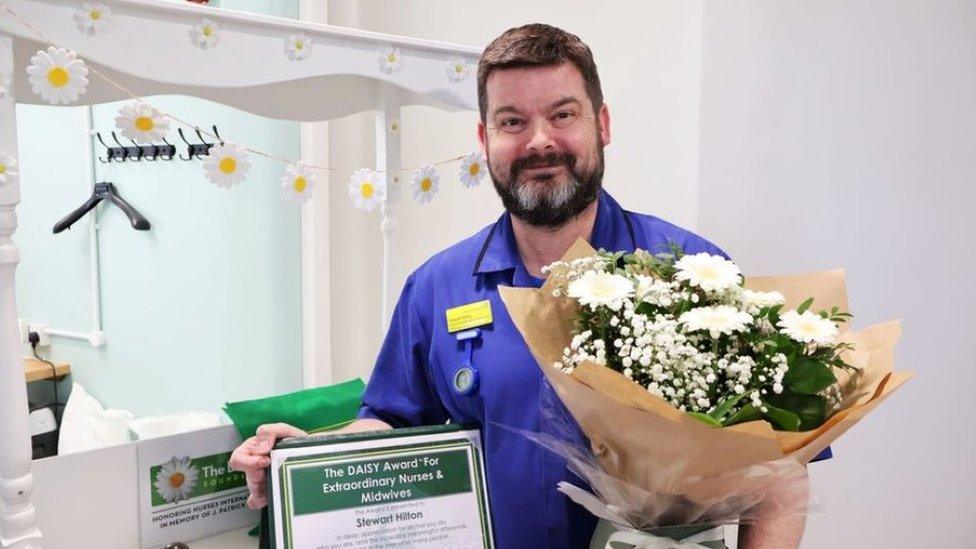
x,y
341,77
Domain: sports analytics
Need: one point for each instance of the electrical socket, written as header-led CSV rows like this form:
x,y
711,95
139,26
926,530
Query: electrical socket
x,y
41,330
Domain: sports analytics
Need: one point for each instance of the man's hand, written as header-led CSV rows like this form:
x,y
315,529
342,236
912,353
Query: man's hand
x,y
251,456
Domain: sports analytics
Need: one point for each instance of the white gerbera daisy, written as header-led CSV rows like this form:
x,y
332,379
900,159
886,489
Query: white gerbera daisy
x,y
761,300
390,60
807,327
92,18
425,184
298,46
458,70
653,290
141,123
473,169
297,183
394,125
367,189
57,75
8,168
716,320
176,479
227,164
711,273
601,288
205,35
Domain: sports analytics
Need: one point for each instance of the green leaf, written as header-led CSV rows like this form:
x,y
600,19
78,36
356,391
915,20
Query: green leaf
x,y
811,409
705,418
785,420
808,377
746,413
644,308
804,306
723,407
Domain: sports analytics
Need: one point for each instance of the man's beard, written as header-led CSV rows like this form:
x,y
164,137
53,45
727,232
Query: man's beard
x,y
540,202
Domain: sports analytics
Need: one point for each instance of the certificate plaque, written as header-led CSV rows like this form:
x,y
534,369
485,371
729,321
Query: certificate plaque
x,y
420,487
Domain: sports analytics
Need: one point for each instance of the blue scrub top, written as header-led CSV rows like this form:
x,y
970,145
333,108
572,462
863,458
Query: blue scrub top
x,y
411,381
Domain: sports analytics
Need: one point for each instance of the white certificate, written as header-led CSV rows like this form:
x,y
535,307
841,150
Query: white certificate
x,y
420,487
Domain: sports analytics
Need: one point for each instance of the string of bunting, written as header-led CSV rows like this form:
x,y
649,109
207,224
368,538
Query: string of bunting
x,y
60,77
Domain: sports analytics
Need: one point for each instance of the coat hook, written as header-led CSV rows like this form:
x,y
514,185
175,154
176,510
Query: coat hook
x,y
189,146
125,152
155,153
203,148
98,135
138,149
170,148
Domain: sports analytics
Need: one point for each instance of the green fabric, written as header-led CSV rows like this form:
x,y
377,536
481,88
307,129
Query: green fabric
x,y
311,410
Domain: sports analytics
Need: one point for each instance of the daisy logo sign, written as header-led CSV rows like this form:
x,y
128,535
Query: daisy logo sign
x,y
187,489
175,480
182,478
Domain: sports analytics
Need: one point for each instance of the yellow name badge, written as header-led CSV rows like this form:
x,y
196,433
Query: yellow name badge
x,y
468,316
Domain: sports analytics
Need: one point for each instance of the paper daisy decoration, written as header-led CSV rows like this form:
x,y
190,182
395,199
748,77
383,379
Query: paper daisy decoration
x,y
367,189
390,60
297,183
473,169
458,70
425,184
205,35
298,46
57,75
227,165
141,123
176,479
8,168
92,18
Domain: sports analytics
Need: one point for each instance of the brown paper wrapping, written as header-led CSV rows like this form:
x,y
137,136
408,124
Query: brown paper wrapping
x,y
641,438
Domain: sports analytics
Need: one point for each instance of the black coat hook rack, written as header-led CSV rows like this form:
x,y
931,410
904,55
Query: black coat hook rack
x,y
201,149
136,152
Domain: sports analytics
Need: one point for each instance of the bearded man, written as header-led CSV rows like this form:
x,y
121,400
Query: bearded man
x,y
543,129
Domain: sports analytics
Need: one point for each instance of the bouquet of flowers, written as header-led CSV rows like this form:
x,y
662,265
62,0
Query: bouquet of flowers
x,y
697,391
685,328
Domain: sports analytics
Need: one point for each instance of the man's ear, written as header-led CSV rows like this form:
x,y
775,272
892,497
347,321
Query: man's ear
x,y
604,118
482,138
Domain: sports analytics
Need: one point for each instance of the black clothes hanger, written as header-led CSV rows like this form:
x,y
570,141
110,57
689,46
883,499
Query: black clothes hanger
x,y
102,191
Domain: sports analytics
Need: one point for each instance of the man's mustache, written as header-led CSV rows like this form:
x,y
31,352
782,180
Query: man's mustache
x,y
549,160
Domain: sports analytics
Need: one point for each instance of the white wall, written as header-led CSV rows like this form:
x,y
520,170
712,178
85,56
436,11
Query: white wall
x,y
648,56
841,133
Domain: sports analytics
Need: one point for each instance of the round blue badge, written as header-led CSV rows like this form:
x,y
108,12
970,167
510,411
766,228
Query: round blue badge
x,y
465,381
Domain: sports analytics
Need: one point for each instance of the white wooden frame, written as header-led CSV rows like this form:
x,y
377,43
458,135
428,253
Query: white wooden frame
x,y
341,77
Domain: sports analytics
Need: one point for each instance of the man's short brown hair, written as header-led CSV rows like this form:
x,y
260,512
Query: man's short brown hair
x,y
538,45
